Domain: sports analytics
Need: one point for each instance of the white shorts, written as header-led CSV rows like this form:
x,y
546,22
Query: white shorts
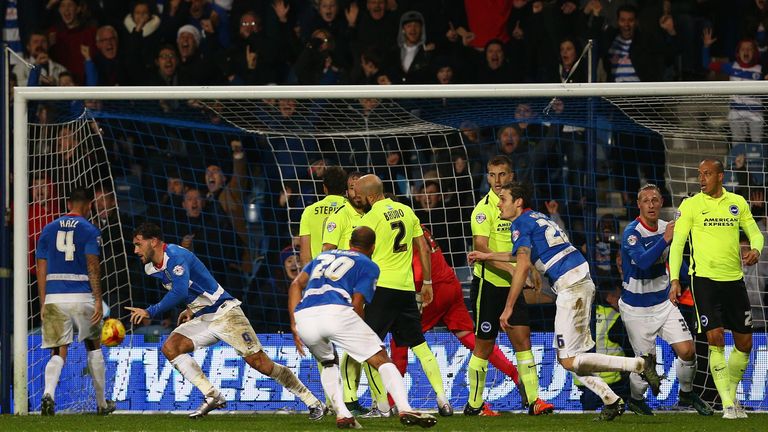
x,y
644,324
232,327
318,326
572,319
62,318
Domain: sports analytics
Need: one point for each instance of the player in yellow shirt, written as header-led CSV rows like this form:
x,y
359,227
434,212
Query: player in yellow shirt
x,y
710,222
490,286
394,308
314,216
336,235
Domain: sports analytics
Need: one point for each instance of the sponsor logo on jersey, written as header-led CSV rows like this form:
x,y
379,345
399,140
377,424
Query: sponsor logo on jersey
x,y
480,218
632,240
178,270
734,209
331,226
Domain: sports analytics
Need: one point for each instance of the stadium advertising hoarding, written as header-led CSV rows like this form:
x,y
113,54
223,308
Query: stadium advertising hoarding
x,y
140,379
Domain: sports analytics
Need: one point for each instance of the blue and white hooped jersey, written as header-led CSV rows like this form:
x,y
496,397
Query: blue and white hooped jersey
x,y
187,280
335,276
644,263
64,243
551,251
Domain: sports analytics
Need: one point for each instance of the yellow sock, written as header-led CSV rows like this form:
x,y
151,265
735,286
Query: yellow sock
x,y
737,364
350,377
476,372
429,365
720,374
376,385
526,366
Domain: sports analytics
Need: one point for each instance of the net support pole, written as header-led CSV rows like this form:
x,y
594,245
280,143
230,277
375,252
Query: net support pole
x,y
20,272
6,320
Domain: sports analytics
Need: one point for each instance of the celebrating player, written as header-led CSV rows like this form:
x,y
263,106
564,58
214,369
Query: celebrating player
x,y
644,304
326,304
69,285
212,314
710,221
539,240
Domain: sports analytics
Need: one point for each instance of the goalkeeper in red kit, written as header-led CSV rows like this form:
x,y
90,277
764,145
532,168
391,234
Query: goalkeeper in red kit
x,y
448,307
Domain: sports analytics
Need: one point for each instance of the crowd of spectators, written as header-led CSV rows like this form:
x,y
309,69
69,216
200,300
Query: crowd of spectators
x,y
220,42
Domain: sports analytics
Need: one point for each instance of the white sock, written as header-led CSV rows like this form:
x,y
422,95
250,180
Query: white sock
x,y
393,382
52,374
96,366
330,377
599,387
189,369
287,379
685,371
637,386
588,363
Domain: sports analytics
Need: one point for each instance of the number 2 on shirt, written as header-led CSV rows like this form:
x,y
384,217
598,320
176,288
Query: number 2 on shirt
x,y
398,245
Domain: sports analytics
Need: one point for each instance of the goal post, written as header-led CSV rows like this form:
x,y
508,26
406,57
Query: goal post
x,y
627,97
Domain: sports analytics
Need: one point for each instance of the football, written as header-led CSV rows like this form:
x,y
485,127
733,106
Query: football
x,y
112,333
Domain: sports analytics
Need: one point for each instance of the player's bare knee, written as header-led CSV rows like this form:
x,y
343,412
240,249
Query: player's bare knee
x,y
743,342
92,344
520,337
716,337
170,351
60,351
566,363
685,351
379,359
483,348
261,362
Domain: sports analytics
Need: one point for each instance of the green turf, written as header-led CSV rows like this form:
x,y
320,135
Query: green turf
x,y
277,423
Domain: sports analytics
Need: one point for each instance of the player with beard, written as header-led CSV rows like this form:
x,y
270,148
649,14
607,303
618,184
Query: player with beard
x,y
211,315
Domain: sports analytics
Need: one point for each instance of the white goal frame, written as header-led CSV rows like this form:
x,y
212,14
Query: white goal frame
x,y
23,95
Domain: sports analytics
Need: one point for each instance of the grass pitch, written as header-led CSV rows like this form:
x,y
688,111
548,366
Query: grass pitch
x,y
676,422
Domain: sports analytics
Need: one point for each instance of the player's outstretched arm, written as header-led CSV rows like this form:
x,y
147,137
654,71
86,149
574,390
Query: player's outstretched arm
x,y
501,262
498,258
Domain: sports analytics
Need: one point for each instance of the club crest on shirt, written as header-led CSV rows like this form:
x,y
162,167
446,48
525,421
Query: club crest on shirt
x,y
632,240
178,270
515,235
480,218
331,226
734,209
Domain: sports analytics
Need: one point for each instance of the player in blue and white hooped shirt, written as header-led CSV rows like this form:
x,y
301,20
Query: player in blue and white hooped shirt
x,y
69,286
211,315
539,241
325,303
644,305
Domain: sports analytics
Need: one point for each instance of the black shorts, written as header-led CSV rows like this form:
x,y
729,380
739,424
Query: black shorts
x,y
721,304
488,302
396,311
